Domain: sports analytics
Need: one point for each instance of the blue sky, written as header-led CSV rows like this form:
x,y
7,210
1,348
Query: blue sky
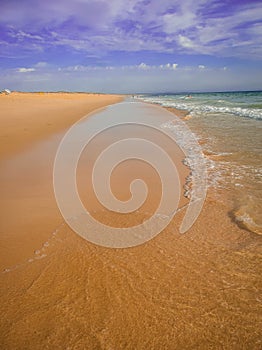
x,y
130,46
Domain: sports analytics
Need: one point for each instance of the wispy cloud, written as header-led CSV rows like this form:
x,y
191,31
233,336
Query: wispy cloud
x,y
99,26
41,64
149,44
25,70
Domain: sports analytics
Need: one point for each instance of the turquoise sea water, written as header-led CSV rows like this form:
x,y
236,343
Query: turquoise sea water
x,y
229,128
244,104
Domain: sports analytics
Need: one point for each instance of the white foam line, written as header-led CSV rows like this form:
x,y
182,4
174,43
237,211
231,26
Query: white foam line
x,y
38,253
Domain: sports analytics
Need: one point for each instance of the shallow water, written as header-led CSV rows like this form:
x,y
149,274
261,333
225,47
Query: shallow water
x,y
229,129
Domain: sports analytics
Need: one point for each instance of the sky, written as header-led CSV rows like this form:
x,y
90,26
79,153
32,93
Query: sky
x,y
131,46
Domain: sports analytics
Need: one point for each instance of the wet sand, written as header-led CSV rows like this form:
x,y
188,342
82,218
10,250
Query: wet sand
x,y
200,290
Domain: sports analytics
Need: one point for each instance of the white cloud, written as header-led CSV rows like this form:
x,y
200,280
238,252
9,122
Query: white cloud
x,y
25,70
143,66
201,66
165,66
186,42
168,66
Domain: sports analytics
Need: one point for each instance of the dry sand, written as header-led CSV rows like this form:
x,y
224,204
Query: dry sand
x,y
29,117
194,291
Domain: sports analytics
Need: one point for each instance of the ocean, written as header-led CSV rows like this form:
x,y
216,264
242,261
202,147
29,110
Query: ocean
x,y
228,127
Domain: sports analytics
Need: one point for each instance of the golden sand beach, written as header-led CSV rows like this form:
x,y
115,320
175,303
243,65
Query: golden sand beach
x,y
200,290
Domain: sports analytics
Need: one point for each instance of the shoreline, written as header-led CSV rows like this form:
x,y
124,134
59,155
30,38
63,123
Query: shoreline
x,y
182,290
235,211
